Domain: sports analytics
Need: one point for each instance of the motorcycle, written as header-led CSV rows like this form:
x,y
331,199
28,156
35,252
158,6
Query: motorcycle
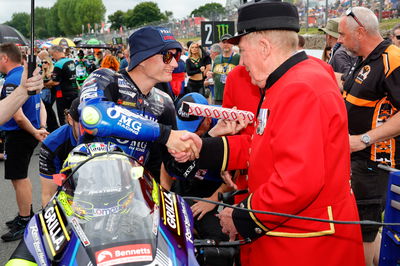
x,y
110,211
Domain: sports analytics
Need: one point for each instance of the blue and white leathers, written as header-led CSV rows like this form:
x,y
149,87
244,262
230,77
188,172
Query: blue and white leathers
x,y
113,109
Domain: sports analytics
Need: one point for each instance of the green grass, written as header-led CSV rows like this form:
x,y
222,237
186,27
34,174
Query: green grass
x,y
386,24
389,23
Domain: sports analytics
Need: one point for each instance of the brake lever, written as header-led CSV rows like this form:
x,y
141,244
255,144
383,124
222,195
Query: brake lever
x,y
228,196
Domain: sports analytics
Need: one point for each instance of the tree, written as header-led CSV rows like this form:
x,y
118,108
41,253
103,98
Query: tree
x,y
66,16
89,12
210,11
169,15
41,17
21,21
52,23
117,19
144,13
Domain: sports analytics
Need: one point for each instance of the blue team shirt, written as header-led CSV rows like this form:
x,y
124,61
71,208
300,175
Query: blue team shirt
x,y
31,107
54,150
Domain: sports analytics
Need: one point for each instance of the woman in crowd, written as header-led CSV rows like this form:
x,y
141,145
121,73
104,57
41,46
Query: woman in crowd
x,y
196,67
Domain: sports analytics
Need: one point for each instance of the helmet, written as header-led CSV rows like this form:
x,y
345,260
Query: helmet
x,y
83,152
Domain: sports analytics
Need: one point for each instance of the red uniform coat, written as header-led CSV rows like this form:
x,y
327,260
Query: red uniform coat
x,y
298,163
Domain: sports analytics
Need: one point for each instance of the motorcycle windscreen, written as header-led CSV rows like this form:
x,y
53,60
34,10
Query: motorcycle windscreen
x,y
110,198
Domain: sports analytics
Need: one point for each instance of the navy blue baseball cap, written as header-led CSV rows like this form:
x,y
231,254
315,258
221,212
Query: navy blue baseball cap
x,y
185,121
149,41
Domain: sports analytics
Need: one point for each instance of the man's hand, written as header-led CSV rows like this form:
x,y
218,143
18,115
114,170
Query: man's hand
x,y
34,83
200,208
226,221
356,144
40,134
184,145
228,179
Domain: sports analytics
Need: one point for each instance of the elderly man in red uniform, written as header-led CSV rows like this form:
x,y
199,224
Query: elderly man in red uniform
x,y
298,157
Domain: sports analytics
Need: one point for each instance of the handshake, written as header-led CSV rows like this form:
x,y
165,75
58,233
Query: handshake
x,y
184,145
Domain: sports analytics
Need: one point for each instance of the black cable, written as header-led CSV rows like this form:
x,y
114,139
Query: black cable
x,y
366,222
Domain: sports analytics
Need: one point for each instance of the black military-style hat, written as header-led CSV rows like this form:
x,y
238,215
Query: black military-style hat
x,y
266,15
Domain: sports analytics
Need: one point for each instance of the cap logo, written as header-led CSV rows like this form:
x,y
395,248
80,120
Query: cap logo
x,y
182,113
166,35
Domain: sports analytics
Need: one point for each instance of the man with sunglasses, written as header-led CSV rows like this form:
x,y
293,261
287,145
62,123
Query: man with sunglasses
x,y
372,98
395,36
131,99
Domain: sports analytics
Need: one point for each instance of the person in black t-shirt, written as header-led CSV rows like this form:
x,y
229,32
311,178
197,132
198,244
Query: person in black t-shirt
x,y
64,78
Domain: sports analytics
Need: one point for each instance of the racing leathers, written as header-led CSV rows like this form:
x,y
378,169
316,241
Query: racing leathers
x,y
113,109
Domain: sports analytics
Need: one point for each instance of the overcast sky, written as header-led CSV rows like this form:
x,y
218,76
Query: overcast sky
x,y
180,8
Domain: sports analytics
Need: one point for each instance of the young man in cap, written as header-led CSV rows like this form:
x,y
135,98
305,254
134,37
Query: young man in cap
x,y
372,98
297,157
223,64
132,106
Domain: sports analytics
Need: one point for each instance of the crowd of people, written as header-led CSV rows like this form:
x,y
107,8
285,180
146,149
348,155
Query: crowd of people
x,y
322,127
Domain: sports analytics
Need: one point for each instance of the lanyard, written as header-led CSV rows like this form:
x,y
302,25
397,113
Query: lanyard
x,y
227,64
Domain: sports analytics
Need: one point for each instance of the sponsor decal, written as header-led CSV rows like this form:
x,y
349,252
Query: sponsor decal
x,y
169,212
127,119
188,229
92,87
182,113
37,244
78,229
139,146
123,84
125,103
54,228
363,74
189,169
124,254
95,148
106,211
88,95
128,93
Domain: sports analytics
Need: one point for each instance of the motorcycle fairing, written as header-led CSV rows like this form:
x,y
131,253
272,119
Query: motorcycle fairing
x,y
176,224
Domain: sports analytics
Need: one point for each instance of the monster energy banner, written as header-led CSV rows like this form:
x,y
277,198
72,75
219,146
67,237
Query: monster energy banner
x,y
212,31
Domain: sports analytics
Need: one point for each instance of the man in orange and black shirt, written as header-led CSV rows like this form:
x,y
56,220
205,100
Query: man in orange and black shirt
x,y
372,97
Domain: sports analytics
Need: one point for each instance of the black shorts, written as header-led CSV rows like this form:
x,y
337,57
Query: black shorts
x,y
19,147
369,184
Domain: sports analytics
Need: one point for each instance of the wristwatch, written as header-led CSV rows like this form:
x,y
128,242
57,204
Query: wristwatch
x,y
365,139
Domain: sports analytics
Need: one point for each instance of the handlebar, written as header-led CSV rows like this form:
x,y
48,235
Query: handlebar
x,y
227,197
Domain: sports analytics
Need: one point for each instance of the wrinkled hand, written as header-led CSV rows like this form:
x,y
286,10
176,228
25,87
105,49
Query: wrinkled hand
x,y
200,208
40,134
356,144
228,179
34,83
227,127
184,145
226,221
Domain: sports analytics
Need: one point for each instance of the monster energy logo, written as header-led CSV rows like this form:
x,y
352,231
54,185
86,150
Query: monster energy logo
x,y
222,29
